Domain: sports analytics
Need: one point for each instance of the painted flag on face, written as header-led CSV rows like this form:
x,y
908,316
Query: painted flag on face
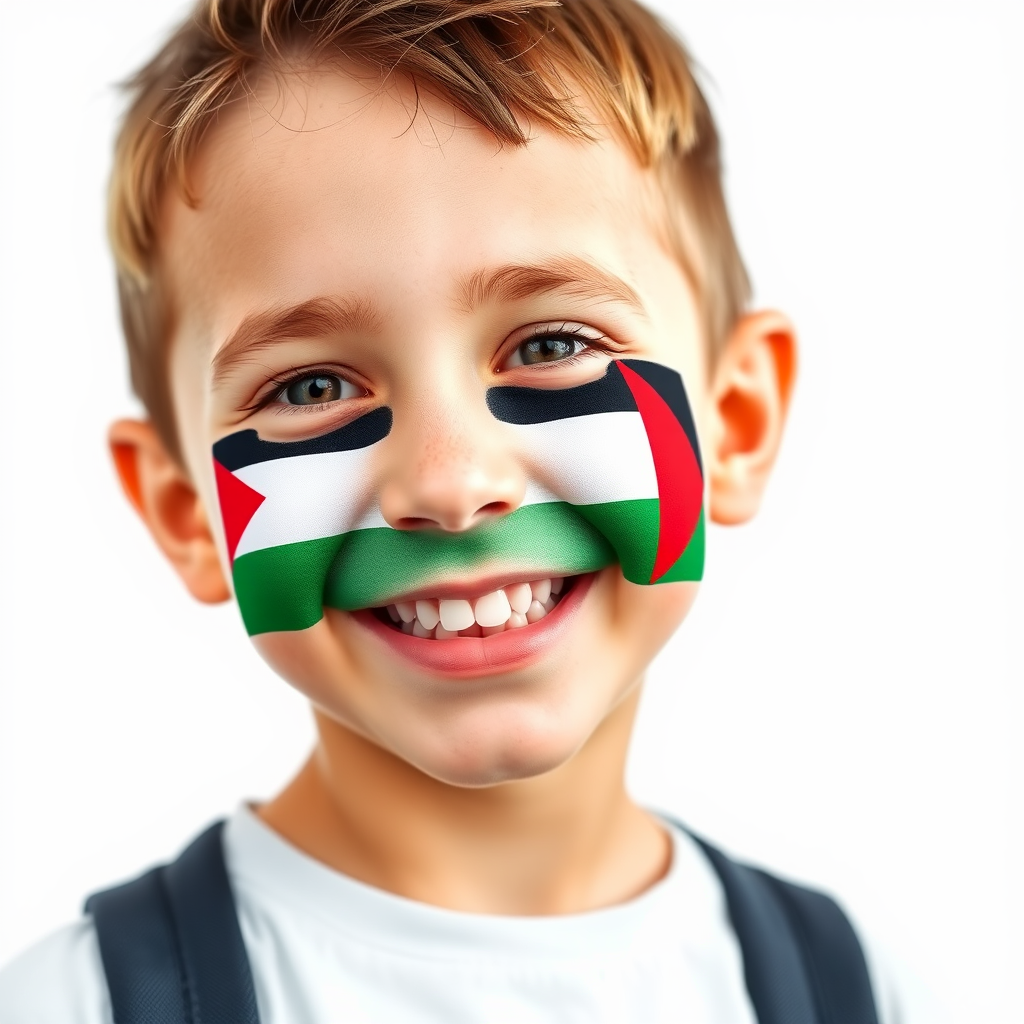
x,y
615,475
623,450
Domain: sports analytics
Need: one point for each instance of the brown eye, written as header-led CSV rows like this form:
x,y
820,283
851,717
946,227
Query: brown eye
x,y
547,349
318,389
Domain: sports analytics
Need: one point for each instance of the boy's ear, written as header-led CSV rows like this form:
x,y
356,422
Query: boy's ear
x,y
170,506
750,391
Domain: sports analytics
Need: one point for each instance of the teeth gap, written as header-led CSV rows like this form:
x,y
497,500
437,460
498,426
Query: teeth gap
x,y
508,608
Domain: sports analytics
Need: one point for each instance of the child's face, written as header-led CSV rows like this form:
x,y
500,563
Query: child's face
x,y
442,251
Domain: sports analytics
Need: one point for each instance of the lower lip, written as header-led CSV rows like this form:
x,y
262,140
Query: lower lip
x,y
483,656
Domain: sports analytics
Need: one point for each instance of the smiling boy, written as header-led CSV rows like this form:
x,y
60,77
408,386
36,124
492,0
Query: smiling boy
x,y
332,215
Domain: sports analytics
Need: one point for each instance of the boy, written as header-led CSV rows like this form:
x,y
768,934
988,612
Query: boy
x,y
424,278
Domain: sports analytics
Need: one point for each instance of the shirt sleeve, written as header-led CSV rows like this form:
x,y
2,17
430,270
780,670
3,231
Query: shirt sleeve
x,y
59,980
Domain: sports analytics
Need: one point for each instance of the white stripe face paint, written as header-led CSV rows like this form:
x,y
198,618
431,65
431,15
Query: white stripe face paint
x,y
309,497
561,455
314,496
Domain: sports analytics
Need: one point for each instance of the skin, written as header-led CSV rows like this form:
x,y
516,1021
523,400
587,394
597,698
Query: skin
x,y
497,795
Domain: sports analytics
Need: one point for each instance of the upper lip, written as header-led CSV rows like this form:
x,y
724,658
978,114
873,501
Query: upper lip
x,y
470,589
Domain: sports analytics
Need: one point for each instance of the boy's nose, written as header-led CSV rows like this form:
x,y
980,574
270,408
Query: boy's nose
x,y
452,475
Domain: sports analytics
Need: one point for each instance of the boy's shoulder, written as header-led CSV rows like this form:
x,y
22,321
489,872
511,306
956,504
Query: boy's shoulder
x,y
59,980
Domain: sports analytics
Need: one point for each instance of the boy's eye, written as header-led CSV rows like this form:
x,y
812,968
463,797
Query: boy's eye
x,y
547,350
317,389
553,343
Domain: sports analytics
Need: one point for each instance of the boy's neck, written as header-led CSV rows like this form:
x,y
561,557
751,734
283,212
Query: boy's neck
x,y
565,842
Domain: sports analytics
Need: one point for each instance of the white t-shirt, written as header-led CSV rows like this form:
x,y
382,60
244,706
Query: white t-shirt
x,y
325,948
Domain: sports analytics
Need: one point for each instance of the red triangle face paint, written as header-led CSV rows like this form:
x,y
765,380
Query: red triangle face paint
x,y
238,504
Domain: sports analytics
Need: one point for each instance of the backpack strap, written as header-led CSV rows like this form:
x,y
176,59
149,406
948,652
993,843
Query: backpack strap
x,y
801,958
171,946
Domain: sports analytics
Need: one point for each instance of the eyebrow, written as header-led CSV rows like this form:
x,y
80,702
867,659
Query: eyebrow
x,y
571,274
314,318
322,317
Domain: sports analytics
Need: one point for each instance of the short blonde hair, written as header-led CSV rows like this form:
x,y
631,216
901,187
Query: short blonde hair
x,y
505,63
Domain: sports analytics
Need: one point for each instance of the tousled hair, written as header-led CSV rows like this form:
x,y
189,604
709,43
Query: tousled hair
x,y
505,63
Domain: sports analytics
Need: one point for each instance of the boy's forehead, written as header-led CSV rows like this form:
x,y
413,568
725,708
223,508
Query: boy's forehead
x,y
325,185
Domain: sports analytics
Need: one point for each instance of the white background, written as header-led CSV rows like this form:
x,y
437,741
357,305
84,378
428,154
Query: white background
x,y
845,702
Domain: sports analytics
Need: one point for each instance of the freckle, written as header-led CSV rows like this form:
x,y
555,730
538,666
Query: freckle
x,y
442,449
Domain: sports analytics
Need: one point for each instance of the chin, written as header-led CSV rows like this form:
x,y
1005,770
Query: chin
x,y
509,745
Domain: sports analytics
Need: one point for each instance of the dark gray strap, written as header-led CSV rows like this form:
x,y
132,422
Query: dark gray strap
x,y
772,965
171,946
140,952
836,966
801,959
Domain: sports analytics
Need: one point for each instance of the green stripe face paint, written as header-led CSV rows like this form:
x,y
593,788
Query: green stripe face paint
x,y
615,477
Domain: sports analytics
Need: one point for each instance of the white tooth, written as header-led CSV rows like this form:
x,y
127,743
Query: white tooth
x,y
516,621
444,634
519,597
556,585
541,590
418,629
491,630
492,609
406,610
456,615
427,613
393,612
549,604
537,611
407,627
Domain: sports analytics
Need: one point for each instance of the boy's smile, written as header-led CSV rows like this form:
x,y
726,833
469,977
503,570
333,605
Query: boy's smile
x,y
488,636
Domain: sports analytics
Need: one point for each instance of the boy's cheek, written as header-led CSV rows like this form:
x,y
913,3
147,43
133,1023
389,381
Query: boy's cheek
x,y
646,616
312,661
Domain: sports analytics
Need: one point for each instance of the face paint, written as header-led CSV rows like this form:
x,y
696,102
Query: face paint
x,y
615,476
